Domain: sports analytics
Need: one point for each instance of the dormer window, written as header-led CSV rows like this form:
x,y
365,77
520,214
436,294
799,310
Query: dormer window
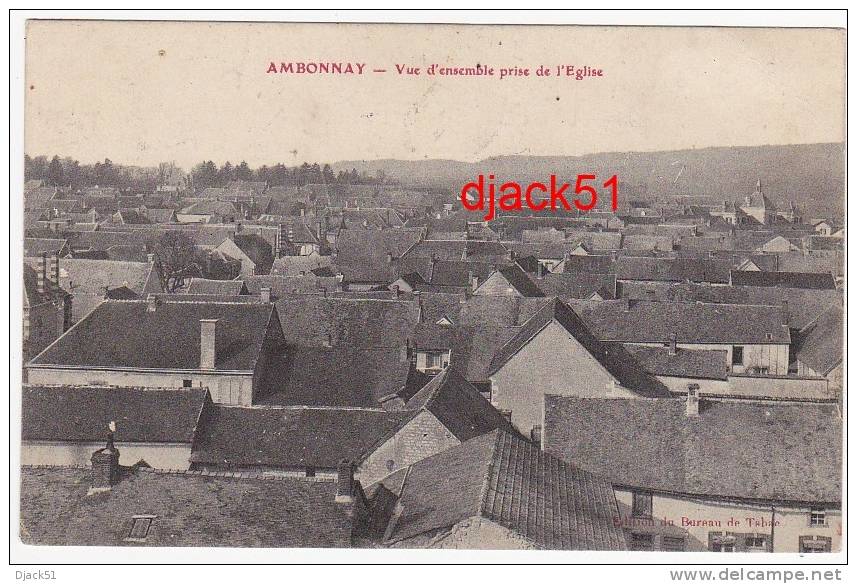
x,y
432,361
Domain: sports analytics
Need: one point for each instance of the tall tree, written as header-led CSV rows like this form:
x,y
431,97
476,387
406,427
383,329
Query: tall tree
x,y
55,174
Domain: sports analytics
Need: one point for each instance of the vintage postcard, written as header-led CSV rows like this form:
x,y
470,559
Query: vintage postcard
x,y
386,286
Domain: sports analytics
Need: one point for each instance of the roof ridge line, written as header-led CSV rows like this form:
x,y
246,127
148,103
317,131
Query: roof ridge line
x,y
483,496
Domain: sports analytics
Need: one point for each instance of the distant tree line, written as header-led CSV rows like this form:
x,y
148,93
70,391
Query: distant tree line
x,y
208,174
68,172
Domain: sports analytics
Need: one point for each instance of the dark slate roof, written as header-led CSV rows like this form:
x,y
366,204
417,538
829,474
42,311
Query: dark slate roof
x,y
191,509
256,248
122,334
449,250
509,481
783,452
372,246
691,322
216,287
289,437
34,246
594,264
671,270
313,320
457,273
819,344
580,285
459,406
812,280
803,305
337,376
612,357
82,414
692,363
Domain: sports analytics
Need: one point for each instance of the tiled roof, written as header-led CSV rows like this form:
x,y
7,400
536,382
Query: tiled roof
x,y
811,280
217,287
612,357
294,265
35,247
166,338
509,481
313,320
84,275
819,344
671,270
691,363
189,509
691,322
580,285
289,437
457,273
81,414
459,406
372,246
786,452
803,305
519,280
336,376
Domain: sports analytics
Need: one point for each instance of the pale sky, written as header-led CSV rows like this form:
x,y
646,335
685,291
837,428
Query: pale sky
x,y
143,93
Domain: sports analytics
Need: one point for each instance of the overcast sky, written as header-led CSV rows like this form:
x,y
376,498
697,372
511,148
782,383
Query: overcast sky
x,y
142,93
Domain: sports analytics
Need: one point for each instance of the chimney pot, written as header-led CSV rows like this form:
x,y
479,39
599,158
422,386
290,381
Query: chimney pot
x,y
207,343
266,294
692,400
344,482
105,466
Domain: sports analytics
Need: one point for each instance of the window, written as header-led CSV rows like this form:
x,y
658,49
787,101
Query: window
x,y
187,383
814,545
432,360
816,517
756,543
737,355
644,542
140,525
672,544
641,504
717,542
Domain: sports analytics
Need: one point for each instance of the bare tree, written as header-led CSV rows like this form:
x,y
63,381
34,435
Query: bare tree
x,y
176,258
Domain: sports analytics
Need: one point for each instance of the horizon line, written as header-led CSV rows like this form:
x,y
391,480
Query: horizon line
x,y
452,160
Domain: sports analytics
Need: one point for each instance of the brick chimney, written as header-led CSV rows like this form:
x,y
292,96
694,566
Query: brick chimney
x,y
151,303
394,289
105,465
207,343
266,294
673,343
345,482
150,258
54,273
692,409
41,275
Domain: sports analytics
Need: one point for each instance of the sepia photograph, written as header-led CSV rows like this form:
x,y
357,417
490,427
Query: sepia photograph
x,y
285,284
